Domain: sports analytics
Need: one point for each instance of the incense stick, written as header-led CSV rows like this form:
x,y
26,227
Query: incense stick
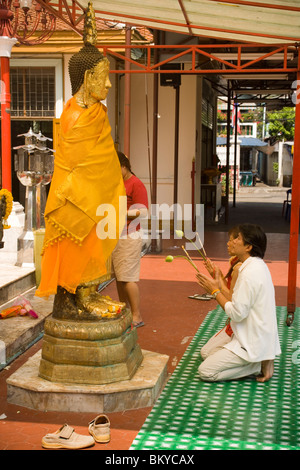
x,y
190,258
201,244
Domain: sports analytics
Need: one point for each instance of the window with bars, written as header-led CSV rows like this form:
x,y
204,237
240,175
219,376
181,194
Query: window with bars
x,y
32,92
207,114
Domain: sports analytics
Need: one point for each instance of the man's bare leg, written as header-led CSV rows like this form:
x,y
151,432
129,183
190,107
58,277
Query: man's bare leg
x,y
122,293
129,293
267,370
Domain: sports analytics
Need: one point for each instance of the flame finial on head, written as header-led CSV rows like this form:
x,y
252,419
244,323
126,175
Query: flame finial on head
x,y
88,56
90,30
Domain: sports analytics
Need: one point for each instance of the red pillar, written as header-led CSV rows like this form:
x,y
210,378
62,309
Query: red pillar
x,y
294,225
127,95
5,124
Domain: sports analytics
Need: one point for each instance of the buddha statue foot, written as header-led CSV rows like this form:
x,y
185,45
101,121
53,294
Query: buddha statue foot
x,y
91,301
86,305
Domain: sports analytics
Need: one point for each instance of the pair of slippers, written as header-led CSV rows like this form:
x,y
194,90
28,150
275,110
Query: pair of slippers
x,y
67,438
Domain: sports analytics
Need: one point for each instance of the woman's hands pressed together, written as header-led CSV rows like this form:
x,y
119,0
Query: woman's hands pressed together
x,y
209,284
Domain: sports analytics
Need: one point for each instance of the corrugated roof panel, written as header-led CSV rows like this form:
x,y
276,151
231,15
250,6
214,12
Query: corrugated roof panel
x,y
245,141
243,19
260,21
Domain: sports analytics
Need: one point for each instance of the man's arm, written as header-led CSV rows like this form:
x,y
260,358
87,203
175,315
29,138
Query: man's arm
x,y
136,211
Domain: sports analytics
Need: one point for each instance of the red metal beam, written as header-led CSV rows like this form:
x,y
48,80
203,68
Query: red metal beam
x,y
208,50
72,15
127,95
265,56
185,16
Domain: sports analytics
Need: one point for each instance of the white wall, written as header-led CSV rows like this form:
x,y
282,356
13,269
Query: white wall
x,y
187,138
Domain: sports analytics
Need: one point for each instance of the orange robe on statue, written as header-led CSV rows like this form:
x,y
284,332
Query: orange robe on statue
x,y
87,174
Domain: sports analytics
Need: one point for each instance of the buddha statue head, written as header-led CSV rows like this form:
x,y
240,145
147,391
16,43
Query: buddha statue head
x,y
88,68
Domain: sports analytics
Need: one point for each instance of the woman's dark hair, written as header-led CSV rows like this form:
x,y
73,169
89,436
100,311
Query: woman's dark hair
x,y
254,235
124,161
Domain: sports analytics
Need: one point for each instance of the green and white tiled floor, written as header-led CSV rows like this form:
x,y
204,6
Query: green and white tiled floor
x,y
242,415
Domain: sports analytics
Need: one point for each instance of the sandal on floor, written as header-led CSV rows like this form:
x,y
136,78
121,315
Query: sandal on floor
x,y
201,296
99,428
137,324
66,438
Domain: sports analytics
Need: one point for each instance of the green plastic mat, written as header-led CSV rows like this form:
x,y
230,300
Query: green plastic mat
x,y
241,415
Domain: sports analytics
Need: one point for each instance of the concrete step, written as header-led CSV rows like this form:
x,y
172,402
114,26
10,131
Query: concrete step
x,y
14,281
17,334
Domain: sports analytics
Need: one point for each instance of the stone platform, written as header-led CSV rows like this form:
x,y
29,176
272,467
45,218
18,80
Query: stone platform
x,y
26,388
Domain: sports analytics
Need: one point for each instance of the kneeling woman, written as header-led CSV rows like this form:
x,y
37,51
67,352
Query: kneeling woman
x,y
252,310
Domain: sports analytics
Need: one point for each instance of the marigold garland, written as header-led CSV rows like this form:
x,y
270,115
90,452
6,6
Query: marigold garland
x,y
9,205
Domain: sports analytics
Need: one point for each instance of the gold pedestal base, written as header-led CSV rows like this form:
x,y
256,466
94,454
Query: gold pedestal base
x,y
90,352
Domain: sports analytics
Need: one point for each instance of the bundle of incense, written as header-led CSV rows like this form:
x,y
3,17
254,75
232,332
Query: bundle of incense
x,y
180,233
30,311
26,305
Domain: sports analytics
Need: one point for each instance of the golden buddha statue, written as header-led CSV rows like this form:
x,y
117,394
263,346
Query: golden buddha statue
x,y
87,174
88,339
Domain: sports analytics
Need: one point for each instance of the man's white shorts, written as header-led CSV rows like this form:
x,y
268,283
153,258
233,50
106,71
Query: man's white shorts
x,y
126,259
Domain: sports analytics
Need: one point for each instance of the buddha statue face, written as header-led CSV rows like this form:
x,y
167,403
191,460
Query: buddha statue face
x,y
96,85
97,81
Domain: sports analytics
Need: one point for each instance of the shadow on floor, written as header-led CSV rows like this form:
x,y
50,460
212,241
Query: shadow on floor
x,y
266,214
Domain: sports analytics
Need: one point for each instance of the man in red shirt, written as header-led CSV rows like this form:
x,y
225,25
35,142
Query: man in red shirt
x,y
127,254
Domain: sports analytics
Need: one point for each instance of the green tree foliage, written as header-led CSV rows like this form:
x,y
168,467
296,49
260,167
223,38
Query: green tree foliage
x,y
282,123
